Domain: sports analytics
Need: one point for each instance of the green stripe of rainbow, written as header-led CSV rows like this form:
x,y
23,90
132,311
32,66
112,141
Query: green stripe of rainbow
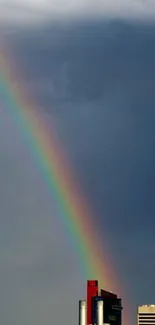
x,y
51,160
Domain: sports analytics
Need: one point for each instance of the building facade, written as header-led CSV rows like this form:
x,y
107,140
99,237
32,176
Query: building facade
x,y
112,308
146,315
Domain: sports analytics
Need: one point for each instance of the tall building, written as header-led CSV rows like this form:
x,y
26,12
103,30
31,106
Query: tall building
x,y
112,308
146,315
100,307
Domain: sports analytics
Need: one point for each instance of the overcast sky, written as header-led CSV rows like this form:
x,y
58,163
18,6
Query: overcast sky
x,y
28,11
95,81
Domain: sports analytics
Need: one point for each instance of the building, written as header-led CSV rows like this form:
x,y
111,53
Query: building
x,y
112,308
92,291
111,305
146,315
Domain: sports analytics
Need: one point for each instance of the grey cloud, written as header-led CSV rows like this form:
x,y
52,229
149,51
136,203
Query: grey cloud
x,y
30,12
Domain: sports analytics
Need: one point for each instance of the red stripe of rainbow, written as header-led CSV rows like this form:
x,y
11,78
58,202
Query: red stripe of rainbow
x,y
76,215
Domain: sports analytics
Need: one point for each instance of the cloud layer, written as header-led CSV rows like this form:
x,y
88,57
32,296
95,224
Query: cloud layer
x,y
26,11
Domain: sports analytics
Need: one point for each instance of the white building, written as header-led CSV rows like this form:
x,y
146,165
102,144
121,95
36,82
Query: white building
x,y
146,315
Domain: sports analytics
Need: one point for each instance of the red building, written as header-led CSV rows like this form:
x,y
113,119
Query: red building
x,y
112,305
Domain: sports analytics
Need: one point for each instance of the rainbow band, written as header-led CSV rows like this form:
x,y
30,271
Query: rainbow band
x,y
56,171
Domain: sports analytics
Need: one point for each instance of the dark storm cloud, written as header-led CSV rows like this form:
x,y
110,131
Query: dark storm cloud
x,y
96,82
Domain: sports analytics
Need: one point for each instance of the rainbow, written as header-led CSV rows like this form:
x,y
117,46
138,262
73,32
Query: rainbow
x,y
56,171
